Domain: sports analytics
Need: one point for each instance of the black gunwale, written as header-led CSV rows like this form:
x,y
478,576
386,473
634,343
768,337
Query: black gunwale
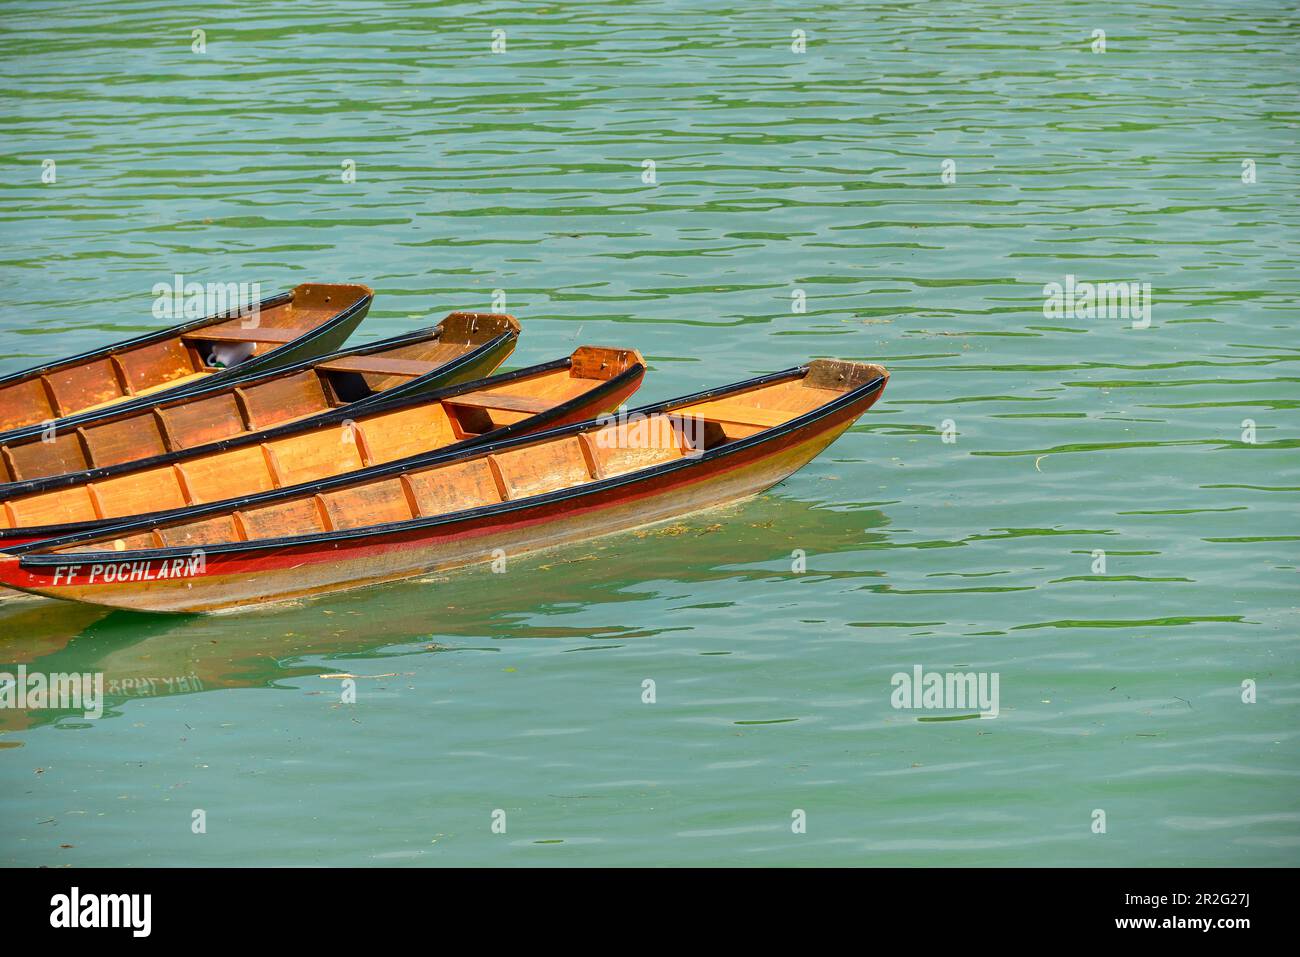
x,y
528,424
143,339
346,411
418,384
233,376
30,555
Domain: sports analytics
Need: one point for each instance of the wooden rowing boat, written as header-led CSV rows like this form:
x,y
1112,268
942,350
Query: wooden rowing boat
x,y
313,319
464,346
591,381
452,508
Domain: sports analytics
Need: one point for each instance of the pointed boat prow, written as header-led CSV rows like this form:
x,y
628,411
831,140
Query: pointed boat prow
x,y
842,376
12,575
478,326
603,363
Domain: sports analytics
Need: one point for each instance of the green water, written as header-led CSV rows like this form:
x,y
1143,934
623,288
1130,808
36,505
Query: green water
x,y
821,171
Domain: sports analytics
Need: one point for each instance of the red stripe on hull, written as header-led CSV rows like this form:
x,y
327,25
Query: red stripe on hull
x,y
259,575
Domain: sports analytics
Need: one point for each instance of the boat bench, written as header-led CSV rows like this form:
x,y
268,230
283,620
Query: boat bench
x,y
410,368
254,334
738,413
500,402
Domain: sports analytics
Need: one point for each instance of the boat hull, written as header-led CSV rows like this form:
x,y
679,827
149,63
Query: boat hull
x,y
9,594
121,435
603,397
221,581
80,388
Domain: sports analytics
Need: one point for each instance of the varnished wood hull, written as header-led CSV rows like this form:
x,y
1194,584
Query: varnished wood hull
x,y
559,393
256,571
352,438
313,319
462,347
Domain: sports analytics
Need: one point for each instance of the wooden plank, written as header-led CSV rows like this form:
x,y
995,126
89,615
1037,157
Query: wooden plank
x,y
164,430
587,444
313,455
499,477
738,413
363,444
183,482
222,528
160,387
35,458
285,397
323,511
502,401
273,465
84,387
52,397
123,440
455,486
95,502
84,441
58,507
198,422
375,503
543,467
476,326
290,510
409,368
260,334
208,476
24,403
133,494
158,363
123,378
412,501
241,400
10,465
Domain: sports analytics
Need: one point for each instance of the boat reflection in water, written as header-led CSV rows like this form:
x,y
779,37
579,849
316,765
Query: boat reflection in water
x,y
145,656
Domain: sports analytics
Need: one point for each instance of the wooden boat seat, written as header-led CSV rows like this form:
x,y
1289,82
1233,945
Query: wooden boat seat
x,y
408,368
739,413
259,334
501,402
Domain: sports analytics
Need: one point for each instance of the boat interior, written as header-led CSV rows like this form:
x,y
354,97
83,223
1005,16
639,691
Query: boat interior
x,y
254,405
309,453
601,451
187,357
